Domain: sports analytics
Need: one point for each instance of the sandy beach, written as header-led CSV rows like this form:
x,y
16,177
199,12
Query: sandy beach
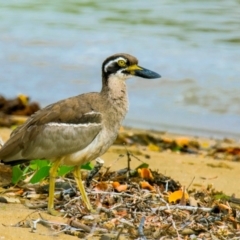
x,y
191,170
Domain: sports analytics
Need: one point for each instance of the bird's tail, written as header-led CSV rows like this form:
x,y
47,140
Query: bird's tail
x,y
10,162
14,162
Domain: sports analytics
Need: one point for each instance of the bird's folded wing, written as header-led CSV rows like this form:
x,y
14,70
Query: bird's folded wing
x,y
60,129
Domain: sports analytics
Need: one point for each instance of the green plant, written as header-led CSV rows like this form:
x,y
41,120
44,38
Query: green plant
x,y
39,169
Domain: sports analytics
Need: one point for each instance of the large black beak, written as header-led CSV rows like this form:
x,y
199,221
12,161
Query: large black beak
x,y
142,72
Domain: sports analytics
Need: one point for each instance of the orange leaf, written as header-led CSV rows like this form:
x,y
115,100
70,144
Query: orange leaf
x,y
122,213
146,185
223,206
121,188
177,196
103,186
145,173
181,141
19,192
115,184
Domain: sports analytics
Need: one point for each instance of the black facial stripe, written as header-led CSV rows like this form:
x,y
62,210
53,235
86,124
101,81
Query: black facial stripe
x,y
113,68
125,72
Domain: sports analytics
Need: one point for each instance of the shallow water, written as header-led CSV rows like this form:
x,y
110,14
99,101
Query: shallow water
x,y
54,49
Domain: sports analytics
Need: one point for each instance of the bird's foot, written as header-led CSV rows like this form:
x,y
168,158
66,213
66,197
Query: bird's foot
x,y
54,212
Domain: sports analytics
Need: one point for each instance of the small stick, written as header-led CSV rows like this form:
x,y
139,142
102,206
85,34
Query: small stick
x,y
140,229
174,226
76,224
183,198
116,194
113,163
128,164
190,183
119,233
95,170
188,208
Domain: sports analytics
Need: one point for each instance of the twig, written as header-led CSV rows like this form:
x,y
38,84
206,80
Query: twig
x,y
72,200
189,208
128,163
106,210
36,206
119,233
174,226
95,170
125,222
183,198
116,194
190,183
77,224
108,168
20,223
140,229
166,188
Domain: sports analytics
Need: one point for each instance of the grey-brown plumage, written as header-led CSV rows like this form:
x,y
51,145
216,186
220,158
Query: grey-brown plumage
x,y
64,128
78,129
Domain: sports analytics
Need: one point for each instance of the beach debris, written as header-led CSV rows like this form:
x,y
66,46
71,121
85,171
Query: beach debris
x,y
12,111
225,149
177,196
138,203
157,142
5,175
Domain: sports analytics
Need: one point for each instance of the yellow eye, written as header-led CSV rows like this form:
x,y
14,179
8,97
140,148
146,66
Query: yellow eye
x,y
121,63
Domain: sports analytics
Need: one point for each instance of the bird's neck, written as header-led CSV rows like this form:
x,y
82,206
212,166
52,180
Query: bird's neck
x,y
115,90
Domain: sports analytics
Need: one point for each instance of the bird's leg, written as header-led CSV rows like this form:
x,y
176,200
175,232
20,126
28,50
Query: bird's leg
x,y
53,174
78,178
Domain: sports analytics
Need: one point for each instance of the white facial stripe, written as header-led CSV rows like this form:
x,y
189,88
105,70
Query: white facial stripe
x,y
53,124
119,76
111,62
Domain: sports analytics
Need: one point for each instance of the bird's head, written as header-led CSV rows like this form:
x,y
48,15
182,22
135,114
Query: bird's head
x,y
123,66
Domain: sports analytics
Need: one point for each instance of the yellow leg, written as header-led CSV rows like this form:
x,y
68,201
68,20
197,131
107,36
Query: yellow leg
x,y
77,176
53,174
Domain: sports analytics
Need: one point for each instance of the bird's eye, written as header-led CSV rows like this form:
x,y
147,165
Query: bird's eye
x,y
121,63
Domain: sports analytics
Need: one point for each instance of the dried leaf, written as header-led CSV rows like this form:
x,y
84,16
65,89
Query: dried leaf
x,y
102,186
153,147
181,141
146,185
177,196
145,173
115,184
122,213
224,206
121,188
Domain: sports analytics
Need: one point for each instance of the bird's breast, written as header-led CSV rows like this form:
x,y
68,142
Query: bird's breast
x,y
95,149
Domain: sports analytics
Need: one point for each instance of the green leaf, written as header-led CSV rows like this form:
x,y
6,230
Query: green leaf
x,y
25,170
142,165
221,196
17,174
87,166
39,163
63,170
40,174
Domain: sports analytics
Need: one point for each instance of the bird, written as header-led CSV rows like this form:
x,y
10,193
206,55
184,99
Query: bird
x,y
78,129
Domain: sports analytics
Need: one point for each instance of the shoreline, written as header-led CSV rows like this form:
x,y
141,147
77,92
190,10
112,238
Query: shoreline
x,y
183,130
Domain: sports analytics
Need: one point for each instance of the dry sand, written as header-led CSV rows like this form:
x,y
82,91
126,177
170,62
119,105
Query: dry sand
x,y
181,167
